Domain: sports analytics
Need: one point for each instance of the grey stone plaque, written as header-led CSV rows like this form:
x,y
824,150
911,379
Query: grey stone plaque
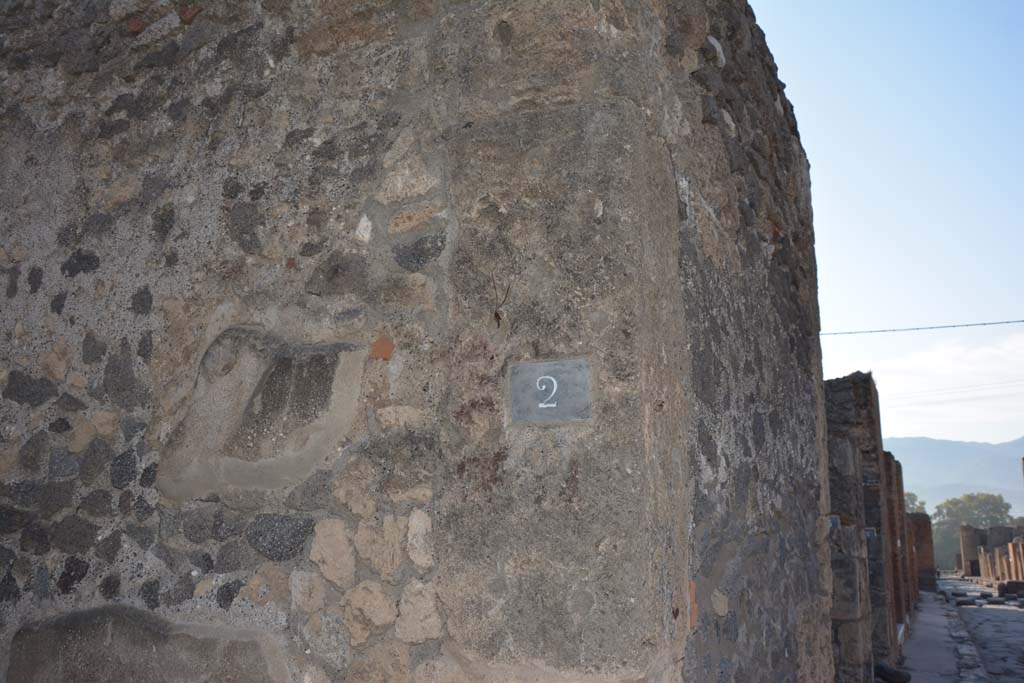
x,y
550,392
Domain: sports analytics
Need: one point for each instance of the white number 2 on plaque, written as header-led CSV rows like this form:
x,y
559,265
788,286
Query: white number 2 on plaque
x,y
542,384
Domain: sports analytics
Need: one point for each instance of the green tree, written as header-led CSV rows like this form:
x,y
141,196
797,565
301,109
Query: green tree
x,y
980,510
913,503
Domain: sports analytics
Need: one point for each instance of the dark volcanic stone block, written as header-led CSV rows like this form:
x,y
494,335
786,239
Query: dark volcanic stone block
x,y
24,388
279,537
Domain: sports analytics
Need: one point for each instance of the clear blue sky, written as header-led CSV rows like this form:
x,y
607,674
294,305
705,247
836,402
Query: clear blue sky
x,y
912,115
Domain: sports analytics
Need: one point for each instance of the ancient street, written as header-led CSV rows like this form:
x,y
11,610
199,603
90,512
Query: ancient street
x,y
959,636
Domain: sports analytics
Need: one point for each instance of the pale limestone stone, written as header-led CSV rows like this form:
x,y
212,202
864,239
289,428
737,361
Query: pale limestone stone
x,y
77,380
332,552
381,546
371,600
106,422
308,591
421,494
82,433
270,584
204,587
419,293
364,229
386,662
730,125
358,628
441,670
314,674
719,52
409,179
368,606
401,417
56,361
418,619
720,603
413,219
352,489
419,544
325,633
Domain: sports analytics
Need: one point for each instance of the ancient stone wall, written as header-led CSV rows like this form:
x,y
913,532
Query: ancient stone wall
x,y
891,532
913,589
875,563
1016,553
269,268
910,564
895,529
969,542
924,547
908,575
994,551
881,556
876,494
848,431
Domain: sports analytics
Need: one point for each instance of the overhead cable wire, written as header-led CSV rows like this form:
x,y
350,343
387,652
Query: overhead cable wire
x,y
918,329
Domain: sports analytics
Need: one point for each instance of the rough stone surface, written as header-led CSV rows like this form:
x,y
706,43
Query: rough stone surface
x,y
853,435
371,600
278,537
74,534
268,264
419,543
418,619
308,591
875,492
381,545
332,552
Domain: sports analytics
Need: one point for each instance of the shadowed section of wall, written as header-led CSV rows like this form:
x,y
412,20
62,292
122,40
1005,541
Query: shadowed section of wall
x,y
881,556
925,550
851,432
123,644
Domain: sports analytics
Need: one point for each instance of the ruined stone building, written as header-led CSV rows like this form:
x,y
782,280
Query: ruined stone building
x,y
879,553
849,409
422,340
924,550
995,554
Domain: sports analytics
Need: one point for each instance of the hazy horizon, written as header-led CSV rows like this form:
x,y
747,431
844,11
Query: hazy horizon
x,y
937,470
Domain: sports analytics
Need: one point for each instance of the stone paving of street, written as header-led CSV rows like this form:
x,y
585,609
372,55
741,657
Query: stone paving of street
x,y
930,652
998,633
979,640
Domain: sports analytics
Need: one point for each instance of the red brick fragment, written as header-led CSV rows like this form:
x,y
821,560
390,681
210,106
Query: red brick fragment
x,y
188,13
382,348
291,264
135,25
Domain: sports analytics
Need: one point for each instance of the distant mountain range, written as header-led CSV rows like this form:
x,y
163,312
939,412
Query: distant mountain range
x,y
937,470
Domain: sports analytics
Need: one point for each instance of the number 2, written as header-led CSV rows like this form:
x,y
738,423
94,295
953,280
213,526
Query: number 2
x,y
546,403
